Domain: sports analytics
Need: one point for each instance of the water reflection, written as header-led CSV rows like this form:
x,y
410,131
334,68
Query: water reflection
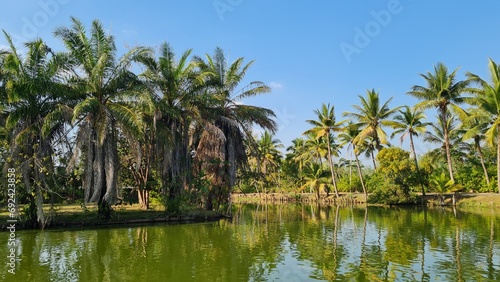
x,y
274,243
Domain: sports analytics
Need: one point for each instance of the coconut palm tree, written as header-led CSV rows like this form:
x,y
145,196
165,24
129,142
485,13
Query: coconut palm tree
x,y
268,151
437,135
409,122
227,121
315,177
475,123
323,127
349,133
371,116
33,89
106,87
487,98
442,90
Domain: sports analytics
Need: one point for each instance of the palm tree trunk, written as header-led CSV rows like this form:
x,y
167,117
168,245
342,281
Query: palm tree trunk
x,y
360,174
373,159
361,178
330,162
412,146
481,157
447,144
498,158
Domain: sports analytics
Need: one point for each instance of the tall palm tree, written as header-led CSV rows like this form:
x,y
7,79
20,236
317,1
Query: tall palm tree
x,y
33,88
409,122
349,133
487,98
442,90
323,127
475,123
371,116
173,86
227,122
105,86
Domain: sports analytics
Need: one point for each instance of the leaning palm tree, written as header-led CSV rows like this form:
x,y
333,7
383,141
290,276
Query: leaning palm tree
x,y
226,121
409,122
33,89
475,123
371,116
349,133
487,98
442,90
105,86
323,127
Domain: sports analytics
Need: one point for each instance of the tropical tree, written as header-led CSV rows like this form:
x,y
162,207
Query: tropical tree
x,y
173,86
474,124
315,178
442,90
371,116
409,122
33,89
268,151
441,184
437,135
323,127
349,133
226,121
105,88
487,98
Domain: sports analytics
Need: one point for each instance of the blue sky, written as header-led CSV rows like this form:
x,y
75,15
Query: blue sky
x,y
310,52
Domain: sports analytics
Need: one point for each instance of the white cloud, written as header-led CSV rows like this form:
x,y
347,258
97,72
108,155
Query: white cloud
x,y
275,85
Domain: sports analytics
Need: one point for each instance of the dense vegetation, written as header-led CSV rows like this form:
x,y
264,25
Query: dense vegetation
x,y
87,125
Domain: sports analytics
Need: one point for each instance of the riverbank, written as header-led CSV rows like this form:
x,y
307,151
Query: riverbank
x,y
432,199
76,216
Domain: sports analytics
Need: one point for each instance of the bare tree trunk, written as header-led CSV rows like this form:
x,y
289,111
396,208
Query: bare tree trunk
x,y
110,166
373,160
481,157
447,144
412,146
330,162
88,180
498,159
360,174
98,173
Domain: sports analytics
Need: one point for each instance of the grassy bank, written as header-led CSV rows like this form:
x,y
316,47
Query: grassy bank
x,y
65,216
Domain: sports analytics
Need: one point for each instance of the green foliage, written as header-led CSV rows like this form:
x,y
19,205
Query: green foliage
x,y
391,194
350,183
400,175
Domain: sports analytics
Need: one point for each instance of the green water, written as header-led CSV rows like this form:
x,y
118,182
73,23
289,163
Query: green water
x,y
272,243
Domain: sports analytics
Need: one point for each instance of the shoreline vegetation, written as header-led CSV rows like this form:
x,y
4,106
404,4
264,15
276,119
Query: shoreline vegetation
x,y
66,216
83,125
462,200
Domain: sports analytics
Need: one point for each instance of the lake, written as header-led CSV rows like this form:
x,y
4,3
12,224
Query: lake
x,y
272,243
